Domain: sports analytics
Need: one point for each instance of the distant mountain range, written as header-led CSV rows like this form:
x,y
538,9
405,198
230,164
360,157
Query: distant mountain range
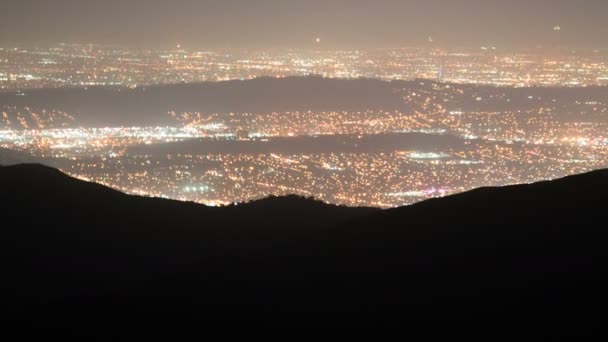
x,y
81,258
103,106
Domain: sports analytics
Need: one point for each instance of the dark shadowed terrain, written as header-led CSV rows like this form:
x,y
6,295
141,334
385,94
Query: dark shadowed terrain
x,y
82,259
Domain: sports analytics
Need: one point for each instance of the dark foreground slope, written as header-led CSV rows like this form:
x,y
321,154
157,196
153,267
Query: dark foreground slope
x,y
76,239
85,257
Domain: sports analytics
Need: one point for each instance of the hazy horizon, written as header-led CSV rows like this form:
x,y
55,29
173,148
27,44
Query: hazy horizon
x,y
298,24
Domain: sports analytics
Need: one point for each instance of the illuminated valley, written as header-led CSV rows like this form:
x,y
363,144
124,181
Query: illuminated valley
x,y
436,139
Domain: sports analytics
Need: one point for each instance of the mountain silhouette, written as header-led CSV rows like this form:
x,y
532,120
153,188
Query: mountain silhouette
x,y
83,259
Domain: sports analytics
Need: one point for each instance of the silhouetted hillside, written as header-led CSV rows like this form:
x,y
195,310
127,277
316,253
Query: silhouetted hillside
x,y
83,257
74,237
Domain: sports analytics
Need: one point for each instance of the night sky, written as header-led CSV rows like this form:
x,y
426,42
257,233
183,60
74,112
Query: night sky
x,y
297,23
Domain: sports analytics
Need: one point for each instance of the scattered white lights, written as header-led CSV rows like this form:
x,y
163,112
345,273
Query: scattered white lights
x,y
428,155
109,66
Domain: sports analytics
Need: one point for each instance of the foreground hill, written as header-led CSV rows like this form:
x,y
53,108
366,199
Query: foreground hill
x,y
72,236
82,256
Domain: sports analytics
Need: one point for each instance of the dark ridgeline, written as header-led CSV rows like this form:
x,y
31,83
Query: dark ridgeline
x,y
81,258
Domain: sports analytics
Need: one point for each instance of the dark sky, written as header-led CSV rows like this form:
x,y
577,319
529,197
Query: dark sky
x,y
296,23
